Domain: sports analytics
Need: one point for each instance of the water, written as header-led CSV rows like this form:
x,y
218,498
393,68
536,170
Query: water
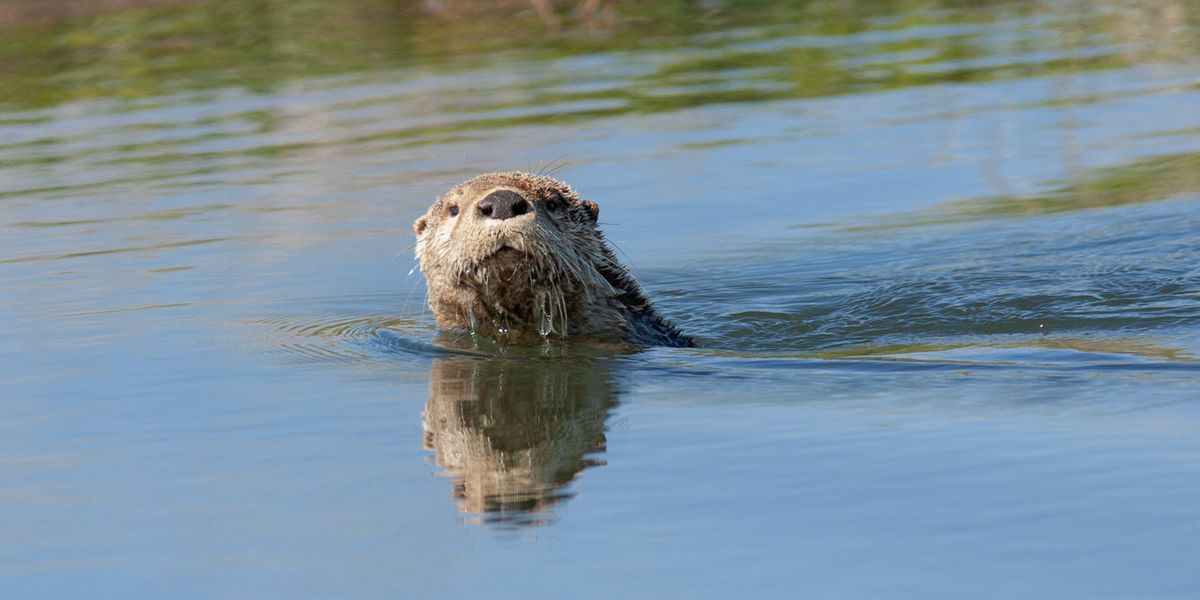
x,y
942,262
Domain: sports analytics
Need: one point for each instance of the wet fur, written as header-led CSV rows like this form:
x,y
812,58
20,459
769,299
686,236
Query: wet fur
x,y
545,273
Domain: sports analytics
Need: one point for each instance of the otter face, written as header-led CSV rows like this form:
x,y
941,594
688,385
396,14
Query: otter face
x,y
513,253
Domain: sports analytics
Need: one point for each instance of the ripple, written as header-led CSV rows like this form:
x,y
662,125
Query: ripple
x,y
344,339
1106,292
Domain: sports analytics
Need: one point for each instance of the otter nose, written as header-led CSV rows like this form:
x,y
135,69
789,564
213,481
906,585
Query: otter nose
x,y
503,204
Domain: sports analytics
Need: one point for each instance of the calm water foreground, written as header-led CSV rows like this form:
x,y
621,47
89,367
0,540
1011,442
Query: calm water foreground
x,y
944,264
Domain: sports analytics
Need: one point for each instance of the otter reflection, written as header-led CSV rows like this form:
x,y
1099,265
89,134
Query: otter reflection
x,y
513,433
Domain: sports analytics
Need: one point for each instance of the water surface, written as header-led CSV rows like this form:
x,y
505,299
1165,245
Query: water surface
x,y
943,262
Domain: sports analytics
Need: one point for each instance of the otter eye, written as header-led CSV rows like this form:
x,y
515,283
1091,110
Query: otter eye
x,y
552,205
453,210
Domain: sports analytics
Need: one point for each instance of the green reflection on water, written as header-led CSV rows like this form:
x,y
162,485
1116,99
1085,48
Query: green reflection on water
x,y
1100,348
768,49
1146,180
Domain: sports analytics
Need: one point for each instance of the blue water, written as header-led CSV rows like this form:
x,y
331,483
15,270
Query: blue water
x,y
943,264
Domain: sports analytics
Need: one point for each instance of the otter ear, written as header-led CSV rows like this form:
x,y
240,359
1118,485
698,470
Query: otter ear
x,y
592,208
420,224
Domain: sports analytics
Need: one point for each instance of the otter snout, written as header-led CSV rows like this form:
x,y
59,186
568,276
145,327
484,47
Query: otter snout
x,y
503,204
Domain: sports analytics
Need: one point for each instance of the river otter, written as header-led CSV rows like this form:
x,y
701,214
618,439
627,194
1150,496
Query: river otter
x,y
518,257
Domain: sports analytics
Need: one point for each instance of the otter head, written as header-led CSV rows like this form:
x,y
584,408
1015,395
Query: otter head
x,y
513,254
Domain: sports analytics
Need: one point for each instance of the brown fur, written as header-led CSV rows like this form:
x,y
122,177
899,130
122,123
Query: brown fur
x,y
544,273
